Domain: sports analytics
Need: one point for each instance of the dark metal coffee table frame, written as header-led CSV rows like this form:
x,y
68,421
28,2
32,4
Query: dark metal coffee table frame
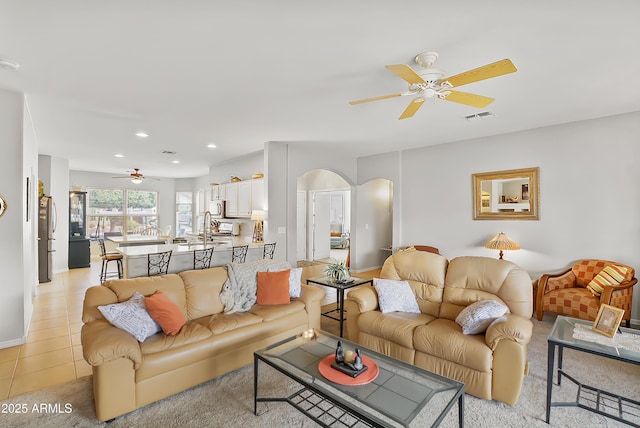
x,y
587,394
340,288
317,399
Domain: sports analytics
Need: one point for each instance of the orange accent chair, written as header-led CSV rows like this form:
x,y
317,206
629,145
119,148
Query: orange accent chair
x,y
566,293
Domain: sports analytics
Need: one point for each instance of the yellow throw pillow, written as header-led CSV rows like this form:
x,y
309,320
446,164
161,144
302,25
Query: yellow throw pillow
x,y
611,275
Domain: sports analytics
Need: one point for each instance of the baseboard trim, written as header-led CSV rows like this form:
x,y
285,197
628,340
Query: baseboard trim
x,y
13,342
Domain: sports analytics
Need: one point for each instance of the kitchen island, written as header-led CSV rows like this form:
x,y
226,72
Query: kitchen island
x,y
135,257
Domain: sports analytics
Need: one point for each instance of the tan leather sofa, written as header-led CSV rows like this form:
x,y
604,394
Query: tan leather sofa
x,y
492,365
128,374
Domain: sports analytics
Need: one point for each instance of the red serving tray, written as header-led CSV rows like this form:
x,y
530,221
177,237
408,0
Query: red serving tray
x,y
338,377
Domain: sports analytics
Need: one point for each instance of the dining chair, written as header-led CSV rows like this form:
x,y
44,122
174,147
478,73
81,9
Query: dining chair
x,y
202,258
106,258
239,253
269,250
158,263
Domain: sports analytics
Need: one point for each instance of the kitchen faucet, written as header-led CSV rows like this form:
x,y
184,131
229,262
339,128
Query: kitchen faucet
x,y
206,228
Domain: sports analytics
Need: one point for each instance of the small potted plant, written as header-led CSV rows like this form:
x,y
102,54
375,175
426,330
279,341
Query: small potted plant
x,y
337,270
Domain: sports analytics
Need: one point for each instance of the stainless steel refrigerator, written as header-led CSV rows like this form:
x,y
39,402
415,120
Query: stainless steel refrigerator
x,y
46,227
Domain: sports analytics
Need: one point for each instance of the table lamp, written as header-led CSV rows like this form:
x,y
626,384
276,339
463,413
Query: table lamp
x,y
502,242
258,217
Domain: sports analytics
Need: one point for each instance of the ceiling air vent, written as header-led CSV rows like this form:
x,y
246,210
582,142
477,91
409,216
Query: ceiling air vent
x,y
168,152
477,116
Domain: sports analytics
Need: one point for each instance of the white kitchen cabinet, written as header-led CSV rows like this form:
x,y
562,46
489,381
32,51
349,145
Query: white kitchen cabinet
x,y
217,192
244,199
257,194
231,196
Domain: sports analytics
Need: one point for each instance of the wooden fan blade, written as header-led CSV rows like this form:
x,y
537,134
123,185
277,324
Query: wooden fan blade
x,y
368,100
405,72
481,73
412,108
472,100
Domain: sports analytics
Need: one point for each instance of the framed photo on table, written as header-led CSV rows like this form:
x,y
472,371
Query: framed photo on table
x,y
608,320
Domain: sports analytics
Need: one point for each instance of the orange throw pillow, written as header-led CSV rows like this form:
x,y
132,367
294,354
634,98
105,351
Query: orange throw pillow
x,y
273,288
165,312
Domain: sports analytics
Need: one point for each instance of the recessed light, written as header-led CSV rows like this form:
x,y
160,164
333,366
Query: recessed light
x,y
211,146
175,161
142,134
8,64
119,155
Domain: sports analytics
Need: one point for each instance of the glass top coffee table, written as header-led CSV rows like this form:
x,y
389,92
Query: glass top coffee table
x,y
590,398
401,393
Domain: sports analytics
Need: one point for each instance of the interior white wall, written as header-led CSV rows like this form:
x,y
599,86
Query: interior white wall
x,y
54,173
386,166
589,201
374,226
18,161
30,231
243,167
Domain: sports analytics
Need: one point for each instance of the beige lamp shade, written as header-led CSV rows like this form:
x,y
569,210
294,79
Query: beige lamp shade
x,y
257,215
502,242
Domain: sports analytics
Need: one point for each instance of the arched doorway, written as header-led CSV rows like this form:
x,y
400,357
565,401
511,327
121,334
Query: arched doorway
x,y
323,216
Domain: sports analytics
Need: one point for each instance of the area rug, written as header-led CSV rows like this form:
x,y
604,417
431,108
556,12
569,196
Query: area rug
x,y
228,400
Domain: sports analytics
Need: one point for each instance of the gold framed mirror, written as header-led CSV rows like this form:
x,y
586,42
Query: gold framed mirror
x,y
506,195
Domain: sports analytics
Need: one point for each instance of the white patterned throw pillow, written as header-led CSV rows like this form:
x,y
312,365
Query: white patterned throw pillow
x,y
395,296
295,275
477,317
132,317
294,282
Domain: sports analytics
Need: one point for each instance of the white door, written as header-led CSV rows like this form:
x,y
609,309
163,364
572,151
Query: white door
x,y
321,229
301,228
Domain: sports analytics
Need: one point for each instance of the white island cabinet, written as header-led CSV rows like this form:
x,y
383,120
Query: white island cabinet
x,y
135,257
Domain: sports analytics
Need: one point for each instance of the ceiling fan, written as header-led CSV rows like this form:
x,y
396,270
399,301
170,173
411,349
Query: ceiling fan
x,y
431,82
136,176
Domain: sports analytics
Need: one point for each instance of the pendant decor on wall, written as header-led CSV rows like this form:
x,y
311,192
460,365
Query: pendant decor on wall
x,y
3,206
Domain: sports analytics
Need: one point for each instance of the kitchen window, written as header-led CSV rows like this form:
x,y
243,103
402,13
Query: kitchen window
x,y
113,211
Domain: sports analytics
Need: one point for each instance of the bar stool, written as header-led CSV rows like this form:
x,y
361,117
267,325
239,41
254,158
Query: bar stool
x,y
202,258
106,258
269,250
239,253
158,263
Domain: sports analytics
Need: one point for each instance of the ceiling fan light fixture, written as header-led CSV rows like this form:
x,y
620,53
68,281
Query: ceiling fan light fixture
x,y
426,59
136,180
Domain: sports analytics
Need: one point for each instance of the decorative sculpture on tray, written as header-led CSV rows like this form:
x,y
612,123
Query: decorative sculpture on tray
x,y
339,353
357,361
347,363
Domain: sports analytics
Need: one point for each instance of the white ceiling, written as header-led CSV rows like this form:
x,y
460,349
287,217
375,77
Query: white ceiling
x,y
241,73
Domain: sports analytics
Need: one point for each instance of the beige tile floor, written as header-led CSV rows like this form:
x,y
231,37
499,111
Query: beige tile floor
x,y
53,353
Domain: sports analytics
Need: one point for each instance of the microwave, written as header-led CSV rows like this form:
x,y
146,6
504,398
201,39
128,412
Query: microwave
x,y
217,208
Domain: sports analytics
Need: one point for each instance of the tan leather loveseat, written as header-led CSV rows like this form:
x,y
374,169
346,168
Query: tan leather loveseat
x,y
492,365
128,374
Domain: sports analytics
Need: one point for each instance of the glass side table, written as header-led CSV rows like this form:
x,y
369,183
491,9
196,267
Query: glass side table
x,y
340,288
590,398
